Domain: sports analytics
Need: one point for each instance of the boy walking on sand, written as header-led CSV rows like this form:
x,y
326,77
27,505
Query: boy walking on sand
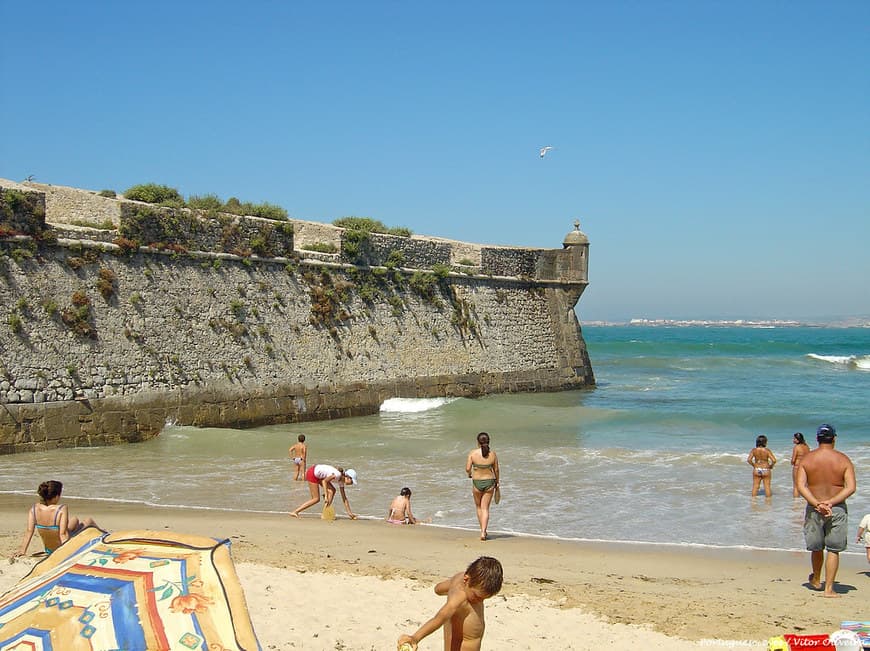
x,y
462,615
299,453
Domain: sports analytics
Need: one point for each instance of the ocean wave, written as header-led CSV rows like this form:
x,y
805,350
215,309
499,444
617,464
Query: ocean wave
x,y
413,405
860,362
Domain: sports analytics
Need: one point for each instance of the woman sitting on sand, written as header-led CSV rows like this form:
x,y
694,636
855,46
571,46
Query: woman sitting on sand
x,y
51,519
762,461
798,451
400,509
482,467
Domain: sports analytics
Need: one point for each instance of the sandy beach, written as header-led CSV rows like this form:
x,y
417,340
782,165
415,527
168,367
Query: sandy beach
x,y
312,584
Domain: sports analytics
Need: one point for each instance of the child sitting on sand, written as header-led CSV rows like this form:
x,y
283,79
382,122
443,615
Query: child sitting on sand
x,y
400,509
462,615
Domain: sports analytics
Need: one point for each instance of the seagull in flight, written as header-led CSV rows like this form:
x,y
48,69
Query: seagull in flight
x,y
544,150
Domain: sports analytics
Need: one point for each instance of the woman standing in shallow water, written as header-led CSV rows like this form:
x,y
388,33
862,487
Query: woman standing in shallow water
x,y
798,451
762,461
482,467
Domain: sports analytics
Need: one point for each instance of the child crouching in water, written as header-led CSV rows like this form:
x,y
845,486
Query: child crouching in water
x,y
462,615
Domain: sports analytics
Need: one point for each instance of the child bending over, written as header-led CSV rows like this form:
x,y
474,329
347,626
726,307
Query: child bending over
x,y
462,615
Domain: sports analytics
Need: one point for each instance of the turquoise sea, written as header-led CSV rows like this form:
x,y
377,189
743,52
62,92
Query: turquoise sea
x,y
655,453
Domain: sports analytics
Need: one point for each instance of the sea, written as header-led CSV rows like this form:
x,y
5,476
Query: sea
x,y
655,453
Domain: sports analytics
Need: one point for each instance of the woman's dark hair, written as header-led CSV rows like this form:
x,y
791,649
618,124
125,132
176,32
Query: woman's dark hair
x,y
483,442
406,492
48,490
761,441
799,438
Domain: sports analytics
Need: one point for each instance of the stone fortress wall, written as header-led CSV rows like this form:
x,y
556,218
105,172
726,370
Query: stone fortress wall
x,y
118,316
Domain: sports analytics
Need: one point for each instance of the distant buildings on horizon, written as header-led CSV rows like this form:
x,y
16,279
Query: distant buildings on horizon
x,y
852,322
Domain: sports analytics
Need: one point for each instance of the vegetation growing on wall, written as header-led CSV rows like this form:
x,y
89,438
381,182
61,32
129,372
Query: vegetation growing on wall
x,y
320,247
155,193
17,206
353,244
106,282
369,225
155,226
356,235
164,195
78,317
329,299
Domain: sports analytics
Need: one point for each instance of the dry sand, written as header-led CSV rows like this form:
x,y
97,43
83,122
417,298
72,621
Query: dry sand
x,y
359,584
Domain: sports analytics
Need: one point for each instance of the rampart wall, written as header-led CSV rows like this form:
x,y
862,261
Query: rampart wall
x,y
220,320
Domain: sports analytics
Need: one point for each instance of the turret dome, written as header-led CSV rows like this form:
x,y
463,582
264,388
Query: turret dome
x,y
575,237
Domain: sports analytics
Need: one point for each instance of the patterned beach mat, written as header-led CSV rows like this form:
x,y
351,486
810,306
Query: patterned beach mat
x,y
129,590
861,628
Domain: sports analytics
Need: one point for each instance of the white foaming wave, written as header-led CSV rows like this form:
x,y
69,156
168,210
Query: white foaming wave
x,y
861,362
413,405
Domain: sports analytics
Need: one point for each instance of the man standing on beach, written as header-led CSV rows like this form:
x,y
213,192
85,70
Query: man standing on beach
x,y
825,479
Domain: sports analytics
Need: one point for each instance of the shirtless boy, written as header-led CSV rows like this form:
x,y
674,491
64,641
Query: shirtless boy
x,y
826,478
462,615
299,454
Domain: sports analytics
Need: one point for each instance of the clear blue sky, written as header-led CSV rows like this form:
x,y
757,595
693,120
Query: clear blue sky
x,y
716,153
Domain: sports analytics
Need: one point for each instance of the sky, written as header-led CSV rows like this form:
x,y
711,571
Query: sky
x,y
717,153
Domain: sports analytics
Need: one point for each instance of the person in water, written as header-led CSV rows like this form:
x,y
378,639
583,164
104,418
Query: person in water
x,y
51,519
298,453
762,461
797,453
482,468
400,509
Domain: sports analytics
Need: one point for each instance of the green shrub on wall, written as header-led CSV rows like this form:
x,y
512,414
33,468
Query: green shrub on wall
x,y
369,225
21,212
106,282
167,196
156,226
154,193
205,202
353,244
77,317
320,247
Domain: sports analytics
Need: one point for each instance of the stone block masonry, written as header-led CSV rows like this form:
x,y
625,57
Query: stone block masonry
x,y
104,342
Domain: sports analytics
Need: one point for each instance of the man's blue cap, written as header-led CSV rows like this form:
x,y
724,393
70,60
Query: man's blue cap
x,y
826,431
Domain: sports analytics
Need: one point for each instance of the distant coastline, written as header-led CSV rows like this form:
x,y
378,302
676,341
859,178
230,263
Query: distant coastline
x,y
851,322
